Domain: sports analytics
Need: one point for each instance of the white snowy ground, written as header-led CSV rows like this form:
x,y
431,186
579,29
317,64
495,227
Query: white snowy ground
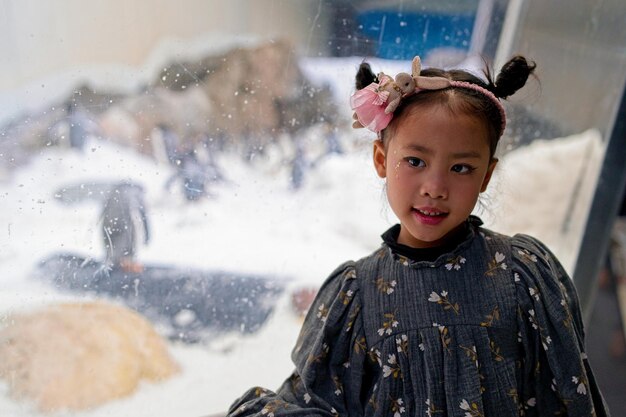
x,y
252,224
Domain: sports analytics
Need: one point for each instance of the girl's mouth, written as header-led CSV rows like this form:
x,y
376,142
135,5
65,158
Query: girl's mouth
x,y
430,212
429,216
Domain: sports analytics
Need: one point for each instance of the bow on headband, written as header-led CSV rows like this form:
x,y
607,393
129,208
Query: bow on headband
x,y
374,105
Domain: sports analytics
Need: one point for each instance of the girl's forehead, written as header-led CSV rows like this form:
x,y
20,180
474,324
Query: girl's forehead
x,y
439,127
447,112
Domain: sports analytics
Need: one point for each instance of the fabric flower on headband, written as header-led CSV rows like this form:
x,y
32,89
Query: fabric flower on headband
x,y
374,105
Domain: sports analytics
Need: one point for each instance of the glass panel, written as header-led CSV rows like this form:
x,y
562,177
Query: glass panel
x,y
567,115
563,176
178,179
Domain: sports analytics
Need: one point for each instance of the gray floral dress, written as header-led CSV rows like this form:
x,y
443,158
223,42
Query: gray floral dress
x,y
492,328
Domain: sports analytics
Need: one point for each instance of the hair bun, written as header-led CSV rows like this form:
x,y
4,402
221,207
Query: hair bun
x,y
513,76
364,76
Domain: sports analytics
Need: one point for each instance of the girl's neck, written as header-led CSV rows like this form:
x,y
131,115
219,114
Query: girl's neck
x,y
404,238
429,254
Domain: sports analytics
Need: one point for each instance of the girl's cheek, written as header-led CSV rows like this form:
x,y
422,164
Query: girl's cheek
x,y
397,168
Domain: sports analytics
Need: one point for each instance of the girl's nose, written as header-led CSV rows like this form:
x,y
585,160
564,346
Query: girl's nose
x,y
434,186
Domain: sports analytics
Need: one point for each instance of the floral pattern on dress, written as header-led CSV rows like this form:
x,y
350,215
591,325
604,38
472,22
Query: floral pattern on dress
x,y
534,293
346,296
386,286
525,254
442,298
522,406
320,356
491,318
376,357
496,263
581,384
270,408
322,313
392,367
471,409
568,320
455,263
260,392
389,324
495,351
338,385
352,318
404,260
431,410
545,340
397,407
402,342
444,336
360,345
471,353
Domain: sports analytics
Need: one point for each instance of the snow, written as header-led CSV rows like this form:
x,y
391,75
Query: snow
x,y
252,223
545,190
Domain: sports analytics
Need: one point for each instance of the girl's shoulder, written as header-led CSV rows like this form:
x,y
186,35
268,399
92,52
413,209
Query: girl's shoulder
x,y
339,287
538,275
531,259
536,269
345,277
524,248
532,252
345,272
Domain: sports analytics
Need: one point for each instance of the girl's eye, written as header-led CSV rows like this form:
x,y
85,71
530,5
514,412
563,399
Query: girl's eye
x,y
462,169
415,162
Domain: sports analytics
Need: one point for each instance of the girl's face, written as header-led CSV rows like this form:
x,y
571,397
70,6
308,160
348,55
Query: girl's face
x,y
435,164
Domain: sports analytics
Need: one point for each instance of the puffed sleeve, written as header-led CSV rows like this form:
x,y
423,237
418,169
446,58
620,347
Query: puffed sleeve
x,y
555,377
329,357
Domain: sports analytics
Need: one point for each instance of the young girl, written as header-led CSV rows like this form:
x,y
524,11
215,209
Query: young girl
x,y
446,318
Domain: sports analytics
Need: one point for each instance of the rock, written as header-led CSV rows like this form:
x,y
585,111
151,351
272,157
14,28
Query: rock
x,y
245,98
80,355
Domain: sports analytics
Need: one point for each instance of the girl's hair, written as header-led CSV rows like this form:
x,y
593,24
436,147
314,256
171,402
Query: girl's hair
x,y
511,78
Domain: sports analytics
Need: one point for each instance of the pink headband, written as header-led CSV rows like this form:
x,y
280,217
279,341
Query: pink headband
x,y
374,105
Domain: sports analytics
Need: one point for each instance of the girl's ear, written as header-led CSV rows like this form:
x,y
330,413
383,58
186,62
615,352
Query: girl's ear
x,y
379,158
490,168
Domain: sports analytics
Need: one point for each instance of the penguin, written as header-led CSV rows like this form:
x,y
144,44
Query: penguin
x,y
123,221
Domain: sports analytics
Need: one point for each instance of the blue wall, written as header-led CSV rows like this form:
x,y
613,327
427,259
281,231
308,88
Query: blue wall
x,y
404,35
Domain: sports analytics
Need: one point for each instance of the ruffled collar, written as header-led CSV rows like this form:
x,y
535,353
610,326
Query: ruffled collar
x,y
409,255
